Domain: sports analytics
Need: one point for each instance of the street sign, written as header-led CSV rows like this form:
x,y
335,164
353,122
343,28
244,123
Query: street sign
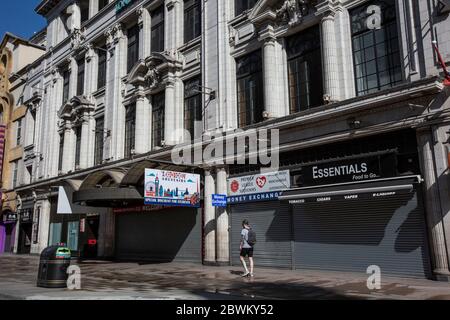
x,y
219,200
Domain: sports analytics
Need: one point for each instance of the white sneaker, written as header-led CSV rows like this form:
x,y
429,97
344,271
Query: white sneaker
x,y
246,274
252,275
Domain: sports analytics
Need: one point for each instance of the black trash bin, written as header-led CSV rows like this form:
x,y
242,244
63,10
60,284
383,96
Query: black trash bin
x,y
53,267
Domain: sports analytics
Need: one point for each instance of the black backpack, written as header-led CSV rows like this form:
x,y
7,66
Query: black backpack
x,y
251,238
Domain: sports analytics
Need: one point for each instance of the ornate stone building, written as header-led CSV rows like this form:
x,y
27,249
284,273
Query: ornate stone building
x,y
17,56
352,87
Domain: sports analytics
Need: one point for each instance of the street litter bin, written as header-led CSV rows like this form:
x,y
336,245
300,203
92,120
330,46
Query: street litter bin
x,y
53,266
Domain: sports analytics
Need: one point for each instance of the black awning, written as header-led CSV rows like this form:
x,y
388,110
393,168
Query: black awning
x,y
350,191
108,197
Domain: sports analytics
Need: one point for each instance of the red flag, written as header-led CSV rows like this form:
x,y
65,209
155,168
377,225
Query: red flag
x,y
443,65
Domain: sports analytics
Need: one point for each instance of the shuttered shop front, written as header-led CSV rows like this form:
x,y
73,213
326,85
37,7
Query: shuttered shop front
x,y
172,234
335,230
271,220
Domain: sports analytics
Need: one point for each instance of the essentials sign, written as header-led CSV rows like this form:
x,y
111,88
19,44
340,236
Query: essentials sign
x,y
353,170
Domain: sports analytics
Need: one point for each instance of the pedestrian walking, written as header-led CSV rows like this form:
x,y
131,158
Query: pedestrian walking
x,y
248,241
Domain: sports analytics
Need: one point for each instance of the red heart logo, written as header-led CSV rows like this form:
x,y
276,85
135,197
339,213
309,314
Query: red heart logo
x,y
261,181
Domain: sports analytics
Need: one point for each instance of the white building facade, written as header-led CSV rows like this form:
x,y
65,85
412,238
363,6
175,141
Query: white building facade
x,y
122,81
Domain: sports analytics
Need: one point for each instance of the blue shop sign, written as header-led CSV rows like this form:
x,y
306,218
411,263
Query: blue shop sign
x,y
219,200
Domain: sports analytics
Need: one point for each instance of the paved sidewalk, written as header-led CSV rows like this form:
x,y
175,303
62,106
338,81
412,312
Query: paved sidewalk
x,y
112,280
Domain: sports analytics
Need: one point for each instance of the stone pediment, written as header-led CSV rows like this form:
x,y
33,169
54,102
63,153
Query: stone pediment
x,y
151,72
75,107
289,12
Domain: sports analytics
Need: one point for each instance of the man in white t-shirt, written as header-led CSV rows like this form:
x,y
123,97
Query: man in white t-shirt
x,y
246,249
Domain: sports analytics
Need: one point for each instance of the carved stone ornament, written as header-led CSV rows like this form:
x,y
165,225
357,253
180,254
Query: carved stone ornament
x,y
76,38
232,35
293,11
152,78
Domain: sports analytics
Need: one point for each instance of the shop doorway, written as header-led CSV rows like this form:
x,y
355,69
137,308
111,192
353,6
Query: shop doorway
x,y
25,233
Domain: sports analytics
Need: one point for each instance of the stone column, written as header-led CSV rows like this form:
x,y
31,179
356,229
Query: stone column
x,y
68,163
223,239
106,234
273,80
143,123
209,227
93,8
432,204
91,133
73,78
115,119
330,61
169,115
84,149
174,23
44,224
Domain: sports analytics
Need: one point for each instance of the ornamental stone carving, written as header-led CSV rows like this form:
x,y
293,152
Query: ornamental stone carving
x,y
293,11
152,78
76,38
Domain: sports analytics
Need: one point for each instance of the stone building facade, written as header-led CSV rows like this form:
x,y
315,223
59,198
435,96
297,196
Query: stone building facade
x,y
340,80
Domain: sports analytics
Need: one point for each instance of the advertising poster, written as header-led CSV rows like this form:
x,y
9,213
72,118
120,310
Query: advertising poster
x,y
172,188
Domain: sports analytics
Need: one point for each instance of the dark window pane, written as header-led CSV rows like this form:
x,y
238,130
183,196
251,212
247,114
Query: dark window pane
x,y
192,19
250,89
381,49
66,82
130,130
99,140
158,109
61,151
242,5
157,32
102,4
193,107
77,145
101,80
80,77
133,47
305,70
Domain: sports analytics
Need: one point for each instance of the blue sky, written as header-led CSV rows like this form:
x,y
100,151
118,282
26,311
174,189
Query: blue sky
x,y
20,18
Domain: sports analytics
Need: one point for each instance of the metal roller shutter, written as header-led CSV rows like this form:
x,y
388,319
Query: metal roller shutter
x,y
272,224
168,235
350,235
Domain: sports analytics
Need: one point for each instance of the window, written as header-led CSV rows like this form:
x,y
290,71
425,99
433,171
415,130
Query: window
x,y
61,152
66,81
102,4
133,47
193,107
250,89
158,108
304,70
157,30
19,132
242,5
15,173
192,19
376,52
80,77
99,139
101,77
130,130
84,8
77,146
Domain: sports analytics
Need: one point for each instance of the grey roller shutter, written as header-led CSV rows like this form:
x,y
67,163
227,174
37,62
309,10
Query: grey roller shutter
x,y
350,235
168,235
272,224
